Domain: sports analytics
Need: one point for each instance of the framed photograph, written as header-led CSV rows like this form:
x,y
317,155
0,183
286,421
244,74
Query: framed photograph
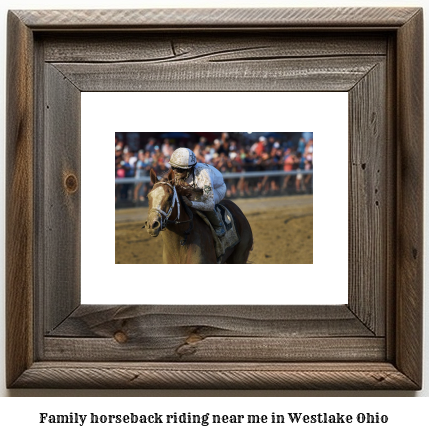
x,y
373,341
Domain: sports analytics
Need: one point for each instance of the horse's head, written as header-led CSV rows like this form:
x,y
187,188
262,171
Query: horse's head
x,y
160,203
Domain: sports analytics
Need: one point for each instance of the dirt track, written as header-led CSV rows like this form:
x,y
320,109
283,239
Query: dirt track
x,y
282,231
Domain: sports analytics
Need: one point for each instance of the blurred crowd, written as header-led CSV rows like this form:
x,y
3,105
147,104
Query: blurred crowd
x,y
228,154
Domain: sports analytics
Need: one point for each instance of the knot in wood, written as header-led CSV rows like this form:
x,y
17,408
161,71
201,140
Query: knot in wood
x,y
71,183
193,338
120,337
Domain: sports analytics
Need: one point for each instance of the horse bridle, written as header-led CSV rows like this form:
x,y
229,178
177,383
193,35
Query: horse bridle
x,y
163,216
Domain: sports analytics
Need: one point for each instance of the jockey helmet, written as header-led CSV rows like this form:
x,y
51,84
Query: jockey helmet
x,y
183,158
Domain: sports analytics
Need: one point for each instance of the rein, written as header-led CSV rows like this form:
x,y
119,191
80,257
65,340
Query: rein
x,y
164,216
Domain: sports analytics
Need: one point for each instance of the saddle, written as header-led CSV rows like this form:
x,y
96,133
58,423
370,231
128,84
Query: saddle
x,y
231,237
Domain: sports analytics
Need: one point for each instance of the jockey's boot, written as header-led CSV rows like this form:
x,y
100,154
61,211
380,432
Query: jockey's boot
x,y
216,222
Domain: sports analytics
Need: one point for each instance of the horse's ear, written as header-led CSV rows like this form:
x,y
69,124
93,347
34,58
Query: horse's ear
x,y
170,175
153,177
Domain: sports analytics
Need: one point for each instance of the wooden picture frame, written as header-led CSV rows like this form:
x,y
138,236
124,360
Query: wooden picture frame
x,y
373,342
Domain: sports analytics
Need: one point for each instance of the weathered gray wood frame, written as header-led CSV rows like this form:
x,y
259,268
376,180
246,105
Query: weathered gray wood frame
x,y
374,342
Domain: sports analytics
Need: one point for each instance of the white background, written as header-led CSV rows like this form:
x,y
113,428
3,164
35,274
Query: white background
x,y
323,282
20,413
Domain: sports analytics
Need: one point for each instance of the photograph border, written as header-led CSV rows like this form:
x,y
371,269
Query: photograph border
x,y
373,342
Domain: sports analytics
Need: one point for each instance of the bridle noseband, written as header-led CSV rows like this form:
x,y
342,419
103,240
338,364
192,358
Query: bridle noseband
x,y
164,216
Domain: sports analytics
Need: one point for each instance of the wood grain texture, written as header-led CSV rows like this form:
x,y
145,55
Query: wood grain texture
x,y
368,202
215,376
289,18
324,74
98,321
61,185
213,333
19,200
391,192
169,47
39,153
193,348
410,199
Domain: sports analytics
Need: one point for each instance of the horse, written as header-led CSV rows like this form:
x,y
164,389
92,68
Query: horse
x,y
187,238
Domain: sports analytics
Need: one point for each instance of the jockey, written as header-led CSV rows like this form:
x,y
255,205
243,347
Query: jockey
x,y
203,176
